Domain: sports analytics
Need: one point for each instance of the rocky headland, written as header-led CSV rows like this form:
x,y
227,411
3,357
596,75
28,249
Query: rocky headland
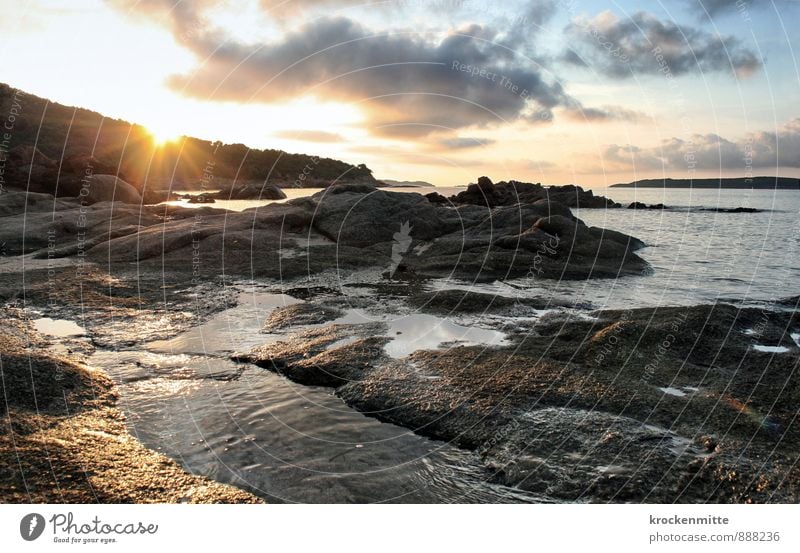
x,y
576,404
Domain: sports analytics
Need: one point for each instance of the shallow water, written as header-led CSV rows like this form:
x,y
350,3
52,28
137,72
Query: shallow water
x,y
416,331
58,328
244,425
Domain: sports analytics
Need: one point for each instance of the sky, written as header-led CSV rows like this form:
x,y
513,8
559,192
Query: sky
x,y
551,91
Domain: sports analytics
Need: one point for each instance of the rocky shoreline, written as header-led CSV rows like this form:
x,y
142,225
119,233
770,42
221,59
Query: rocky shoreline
x,y
664,404
63,439
652,404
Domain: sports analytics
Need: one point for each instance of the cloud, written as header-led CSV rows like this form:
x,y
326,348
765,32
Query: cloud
x,y
408,84
311,136
605,113
764,149
626,47
464,143
733,7
291,8
399,78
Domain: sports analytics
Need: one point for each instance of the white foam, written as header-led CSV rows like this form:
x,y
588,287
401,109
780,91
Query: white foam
x,y
796,337
770,349
673,391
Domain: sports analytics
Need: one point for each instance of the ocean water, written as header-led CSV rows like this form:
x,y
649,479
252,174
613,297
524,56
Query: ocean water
x,y
696,256
244,425
701,256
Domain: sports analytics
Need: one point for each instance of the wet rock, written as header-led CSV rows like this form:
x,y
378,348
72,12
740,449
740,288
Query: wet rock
x,y
329,356
458,301
300,314
63,440
201,199
575,409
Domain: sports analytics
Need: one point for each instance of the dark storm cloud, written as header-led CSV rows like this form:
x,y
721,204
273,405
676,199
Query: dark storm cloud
x,y
780,148
626,47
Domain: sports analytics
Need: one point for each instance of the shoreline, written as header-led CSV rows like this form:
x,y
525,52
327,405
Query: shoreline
x,y
64,439
571,403
508,412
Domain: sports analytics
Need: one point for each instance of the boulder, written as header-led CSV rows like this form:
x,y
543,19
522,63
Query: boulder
x,y
108,188
436,198
363,219
516,192
250,191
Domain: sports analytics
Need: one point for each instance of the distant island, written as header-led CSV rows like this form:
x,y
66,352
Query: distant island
x,y
757,183
406,183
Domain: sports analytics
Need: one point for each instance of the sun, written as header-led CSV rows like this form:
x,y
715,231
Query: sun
x,y
162,136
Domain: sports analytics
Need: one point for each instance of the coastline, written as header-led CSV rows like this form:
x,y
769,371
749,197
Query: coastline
x,y
64,439
576,403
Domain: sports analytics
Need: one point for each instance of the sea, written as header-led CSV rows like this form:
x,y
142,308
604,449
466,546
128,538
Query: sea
x,y
697,255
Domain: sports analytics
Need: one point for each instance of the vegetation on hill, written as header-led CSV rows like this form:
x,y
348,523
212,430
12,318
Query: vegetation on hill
x,y
71,138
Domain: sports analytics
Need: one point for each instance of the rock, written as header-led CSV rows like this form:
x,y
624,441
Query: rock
x,y
515,192
354,187
401,235
458,301
557,225
201,199
66,437
300,314
582,386
15,202
640,205
485,184
28,168
107,188
355,218
436,198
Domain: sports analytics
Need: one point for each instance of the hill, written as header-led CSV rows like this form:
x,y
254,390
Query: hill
x,y
407,183
756,183
68,139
